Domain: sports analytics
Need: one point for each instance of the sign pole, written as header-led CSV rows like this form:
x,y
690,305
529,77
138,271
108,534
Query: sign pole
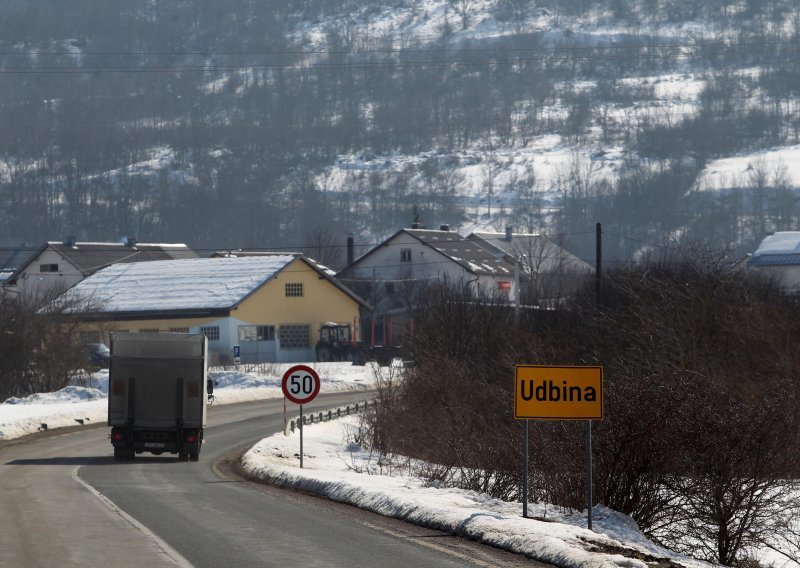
x,y
525,473
559,393
597,290
300,385
589,472
301,441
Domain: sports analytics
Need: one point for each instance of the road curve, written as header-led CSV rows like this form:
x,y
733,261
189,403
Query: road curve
x,y
65,502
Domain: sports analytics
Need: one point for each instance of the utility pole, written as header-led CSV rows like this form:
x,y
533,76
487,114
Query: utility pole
x,y
598,262
597,290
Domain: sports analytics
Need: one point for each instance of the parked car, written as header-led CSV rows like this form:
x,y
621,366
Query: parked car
x,y
99,354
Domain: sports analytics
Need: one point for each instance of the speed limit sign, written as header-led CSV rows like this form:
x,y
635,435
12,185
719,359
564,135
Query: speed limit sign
x,y
300,384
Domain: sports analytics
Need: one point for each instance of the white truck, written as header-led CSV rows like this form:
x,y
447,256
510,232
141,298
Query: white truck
x,y
157,394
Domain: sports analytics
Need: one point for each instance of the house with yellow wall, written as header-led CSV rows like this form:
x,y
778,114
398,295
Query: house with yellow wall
x,y
270,306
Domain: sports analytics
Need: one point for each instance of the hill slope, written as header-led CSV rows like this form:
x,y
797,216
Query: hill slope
x,y
286,124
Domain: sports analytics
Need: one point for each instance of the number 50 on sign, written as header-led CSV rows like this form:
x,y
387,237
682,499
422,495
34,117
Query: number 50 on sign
x,y
300,384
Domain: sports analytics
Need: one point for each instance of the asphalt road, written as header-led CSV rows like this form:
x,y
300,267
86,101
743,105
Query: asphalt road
x,y
65,502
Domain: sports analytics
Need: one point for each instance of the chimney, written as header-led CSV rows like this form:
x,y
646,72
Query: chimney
x,y
444,227
69,241
509,233
415,225
351,251
130,242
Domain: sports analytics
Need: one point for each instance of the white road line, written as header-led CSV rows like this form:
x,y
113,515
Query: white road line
x,y
170,552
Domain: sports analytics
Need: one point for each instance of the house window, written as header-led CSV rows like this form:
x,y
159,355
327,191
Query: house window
x,y
48,268
211,332
256,333
90,337
405,255
179,330
294,289
148,330
294,336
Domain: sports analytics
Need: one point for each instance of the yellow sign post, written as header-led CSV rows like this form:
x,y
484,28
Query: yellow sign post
x,y
558,393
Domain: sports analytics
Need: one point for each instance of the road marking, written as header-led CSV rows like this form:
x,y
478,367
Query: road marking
x,y
170,552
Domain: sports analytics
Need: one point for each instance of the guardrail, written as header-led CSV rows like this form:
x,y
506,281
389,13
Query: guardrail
x,y
327,415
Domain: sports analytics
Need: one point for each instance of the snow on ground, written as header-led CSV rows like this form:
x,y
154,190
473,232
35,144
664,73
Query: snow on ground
x,y
86,399
240,386
737,171
337,467
61,409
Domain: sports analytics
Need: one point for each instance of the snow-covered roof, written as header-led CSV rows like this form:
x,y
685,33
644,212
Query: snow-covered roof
x,y
89,257
179,285
474,258
458,249
779,249
547,255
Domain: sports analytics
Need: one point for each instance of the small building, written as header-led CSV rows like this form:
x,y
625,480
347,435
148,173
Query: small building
x,y
413,258
547,270
57,266
271,306
778,255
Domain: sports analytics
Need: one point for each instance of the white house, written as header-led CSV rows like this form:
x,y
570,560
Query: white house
x,y
57,266
413,257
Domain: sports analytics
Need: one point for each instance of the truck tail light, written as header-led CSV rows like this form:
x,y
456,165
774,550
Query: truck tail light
x,y
117,436
191,438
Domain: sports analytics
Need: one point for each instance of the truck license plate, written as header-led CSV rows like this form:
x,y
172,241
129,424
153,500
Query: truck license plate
x,y
153,444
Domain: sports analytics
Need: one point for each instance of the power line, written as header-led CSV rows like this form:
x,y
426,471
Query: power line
x,y
360,66
433,49
288,249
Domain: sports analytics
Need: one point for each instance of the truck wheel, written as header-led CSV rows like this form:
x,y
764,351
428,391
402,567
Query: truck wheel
x,y
183,455
119,454
194,456
130,454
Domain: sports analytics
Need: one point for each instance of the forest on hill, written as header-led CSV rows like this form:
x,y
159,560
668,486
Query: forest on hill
x,y
289,124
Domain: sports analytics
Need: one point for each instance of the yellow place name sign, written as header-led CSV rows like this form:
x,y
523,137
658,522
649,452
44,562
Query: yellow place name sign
x,y
558,393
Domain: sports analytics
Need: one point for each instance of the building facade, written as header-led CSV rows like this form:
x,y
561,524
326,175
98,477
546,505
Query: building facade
x,y
271,307
57,266
395,270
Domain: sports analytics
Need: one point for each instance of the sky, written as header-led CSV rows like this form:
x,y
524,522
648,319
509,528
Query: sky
x,y
337,467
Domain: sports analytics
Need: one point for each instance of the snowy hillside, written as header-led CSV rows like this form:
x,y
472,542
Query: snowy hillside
x,y
229,130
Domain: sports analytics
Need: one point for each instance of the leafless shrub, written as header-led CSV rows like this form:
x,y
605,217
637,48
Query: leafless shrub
x,y
786,538
697,444
40,342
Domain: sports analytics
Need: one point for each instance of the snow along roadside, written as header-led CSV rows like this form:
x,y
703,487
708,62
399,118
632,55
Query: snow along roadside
x,y
332,467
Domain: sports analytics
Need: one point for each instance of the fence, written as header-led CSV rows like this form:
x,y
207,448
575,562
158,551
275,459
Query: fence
x,y
327,415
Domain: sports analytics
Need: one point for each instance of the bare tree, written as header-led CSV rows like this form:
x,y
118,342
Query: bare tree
x,y
490,169
785,540
41,342
758,187
323,246
464,10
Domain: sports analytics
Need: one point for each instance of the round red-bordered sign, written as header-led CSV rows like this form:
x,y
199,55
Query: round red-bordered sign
x,y
300,384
